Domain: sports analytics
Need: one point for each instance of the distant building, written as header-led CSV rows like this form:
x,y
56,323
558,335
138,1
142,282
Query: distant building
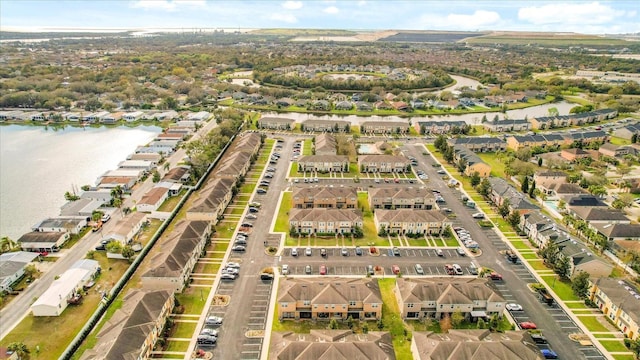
x,y
12,265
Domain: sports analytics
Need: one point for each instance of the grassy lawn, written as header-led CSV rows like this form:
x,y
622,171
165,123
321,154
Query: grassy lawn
x,y
181,346
605,336
307,147
417,242
592,323
247,188
538,265
497,165
452,241
91,340
618,141
193,299
282,221
614,345
392,320
170,203
560,287
576,305
529,256
624,357
521,245
183,329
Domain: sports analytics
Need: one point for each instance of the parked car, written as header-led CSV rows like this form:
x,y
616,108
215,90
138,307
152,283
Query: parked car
x,y
251,217
232,271
233,265
239,248
307,269
308,251
461,252
396,251
395,269
457,269
261,191
323,269
228,277
527,325
294,252
473,269
478,216
513,307
285,269
449,269
323,252
419,269
358,251
206,340
549,354
266,276
439,252
213,320
253,209
210,332
105,218
538,338
344,252
370,270
495,276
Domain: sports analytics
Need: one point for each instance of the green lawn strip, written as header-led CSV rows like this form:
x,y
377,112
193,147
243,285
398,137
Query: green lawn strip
x,y
605,336
451,242
282,221
183,329
293,172
576,305
247,188
206,268
170,203
193,299
623,357
307,147
582,312
521,245
614,345
538,265
592,323
619,141
417,242
91,340
181,346
497,165
560,287
392,320
531,256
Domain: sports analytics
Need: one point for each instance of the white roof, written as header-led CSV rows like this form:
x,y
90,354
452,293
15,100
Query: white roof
x,y
18,256
61,288
86,264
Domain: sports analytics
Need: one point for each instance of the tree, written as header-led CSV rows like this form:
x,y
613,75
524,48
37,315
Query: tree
x,y
484,188
20,349
156,176
539,161
333,324
445,323
580,284
623,201
532,190
514,219
8,245
494,322
563,267
475,179
503,209
457,318
380,324
365,328
71,197
634,138
525,185
481,323
127,252
350,322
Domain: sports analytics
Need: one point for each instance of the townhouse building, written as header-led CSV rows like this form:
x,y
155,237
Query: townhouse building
x,y
325,144
384,127
323,163
383,164
411,221
324,197
620,302
276,123
325,221
401,198
473,163
479,144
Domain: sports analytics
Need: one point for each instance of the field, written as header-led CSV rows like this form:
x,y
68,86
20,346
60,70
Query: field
x,y
430,36
523,38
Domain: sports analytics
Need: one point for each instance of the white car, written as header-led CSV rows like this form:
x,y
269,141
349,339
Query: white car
x,y
250,217
232,271
478,216
233,265
213,320
513,307
285,269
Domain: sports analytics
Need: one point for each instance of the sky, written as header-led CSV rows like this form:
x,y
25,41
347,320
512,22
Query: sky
x,y
587,17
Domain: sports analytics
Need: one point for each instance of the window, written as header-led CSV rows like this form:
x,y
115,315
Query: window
x,y
410,306
284,304
374,305
352,303
307,302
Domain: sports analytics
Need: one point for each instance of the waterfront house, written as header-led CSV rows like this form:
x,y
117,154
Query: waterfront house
x,y
324,163
81,207
12,265
324,197
152,200
132,116
383,164
325,221
411,221
331,344
384,127
479,144
437,297
475,344
134,329
507,125
326,126
66,287
329,298
401,198
199,116
619,301
178,174
276,123
126,228
72,225
112,182
145,165
171,268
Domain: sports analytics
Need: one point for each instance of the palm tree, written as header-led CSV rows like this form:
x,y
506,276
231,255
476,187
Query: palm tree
x,y
8,245
19,349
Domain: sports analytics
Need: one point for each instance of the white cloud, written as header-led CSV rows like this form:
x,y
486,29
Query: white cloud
x,y
167,5
287,18
292,5
480,19
571,14
331,10
362,3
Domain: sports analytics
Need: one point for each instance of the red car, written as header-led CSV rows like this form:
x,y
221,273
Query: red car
x,y
396,180
395,269
495,276
527,325
323,270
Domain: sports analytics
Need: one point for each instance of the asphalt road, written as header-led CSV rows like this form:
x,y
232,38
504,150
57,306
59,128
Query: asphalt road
x,y
515,281
12,314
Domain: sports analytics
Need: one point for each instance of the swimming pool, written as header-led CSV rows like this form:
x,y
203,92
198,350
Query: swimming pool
x,y
367,149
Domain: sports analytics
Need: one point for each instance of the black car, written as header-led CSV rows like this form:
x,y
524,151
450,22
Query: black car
x,y
396,251
207,340
538,338
358,251
266,276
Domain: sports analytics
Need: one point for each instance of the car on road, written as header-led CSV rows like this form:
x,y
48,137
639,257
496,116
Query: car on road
x,y
344,252
105,218
213,320
206,340
461,252
495,276
527,325
251,217
307,269
478,216
549,354
323,269
233,265
239,248
396,251
395,269
419,269
439,252
441,172
308,251
513,307
285,269
358,251
294,252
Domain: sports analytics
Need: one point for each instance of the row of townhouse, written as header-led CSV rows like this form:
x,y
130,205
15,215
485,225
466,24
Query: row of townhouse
x,y
479,143
619,300
401,198
134,329
502,191
383,164
550,122
332,126
433,127
507,125
325,221
323,163
472,162
384,127
102,117
211,201
324,197
555,140
276,123
325,144
411,221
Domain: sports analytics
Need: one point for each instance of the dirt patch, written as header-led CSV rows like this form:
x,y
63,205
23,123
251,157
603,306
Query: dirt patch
x,y
254,333
221,300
